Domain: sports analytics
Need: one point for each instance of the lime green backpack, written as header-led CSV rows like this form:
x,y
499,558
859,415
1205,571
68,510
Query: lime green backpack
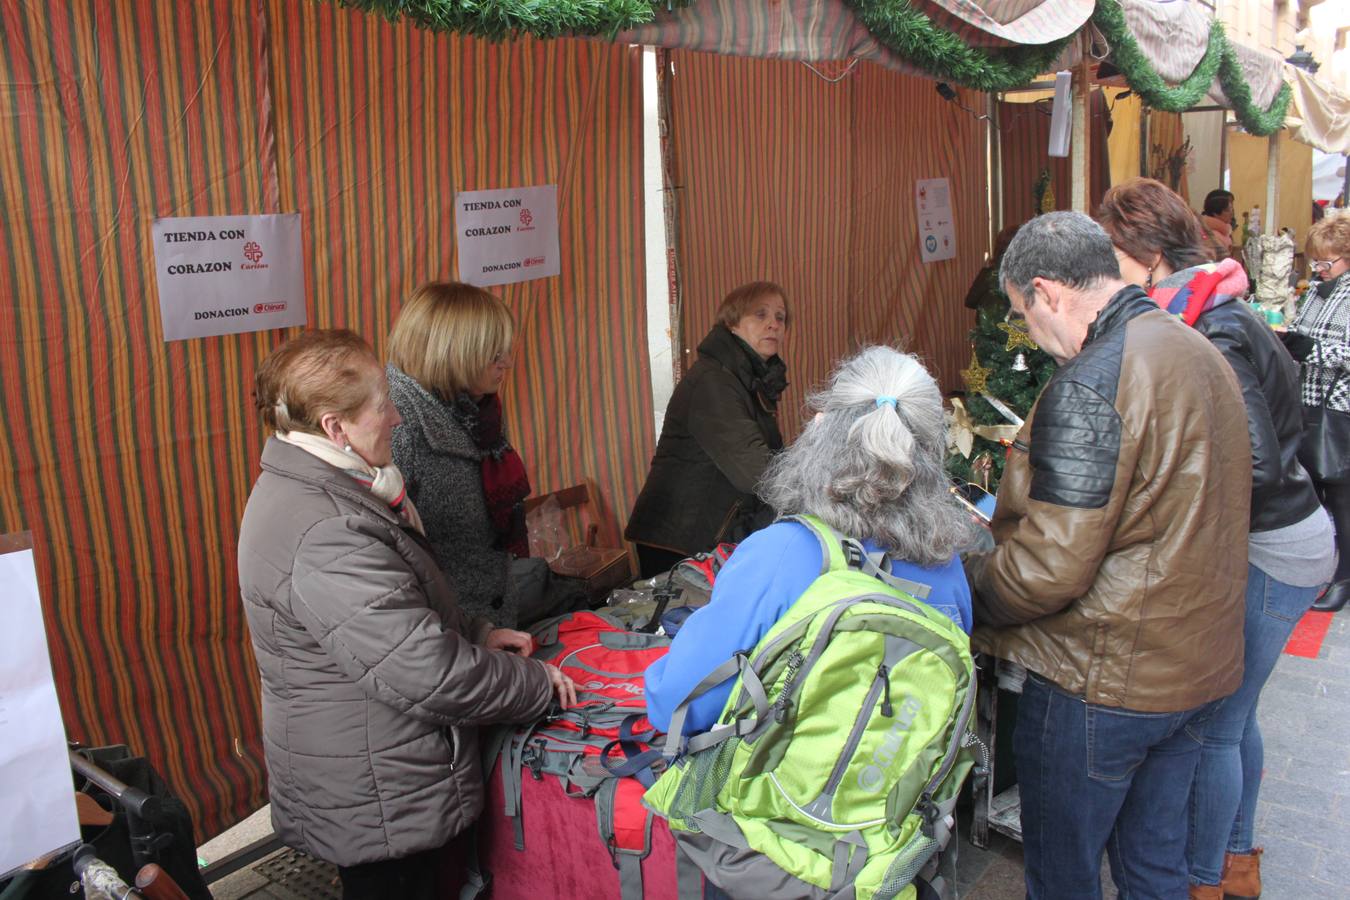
x,y
835,765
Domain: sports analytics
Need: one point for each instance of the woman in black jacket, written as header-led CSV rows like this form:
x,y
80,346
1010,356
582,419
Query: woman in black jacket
x,y
719,433
1290,550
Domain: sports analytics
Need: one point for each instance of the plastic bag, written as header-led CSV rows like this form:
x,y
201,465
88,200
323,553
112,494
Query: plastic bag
x,y
547,534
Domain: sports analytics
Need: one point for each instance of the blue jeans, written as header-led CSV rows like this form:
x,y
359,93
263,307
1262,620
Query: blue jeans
x,y
1096,778
1223,798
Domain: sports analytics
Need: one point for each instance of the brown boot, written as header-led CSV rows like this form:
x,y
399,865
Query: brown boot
x,y
1206,892
1242,875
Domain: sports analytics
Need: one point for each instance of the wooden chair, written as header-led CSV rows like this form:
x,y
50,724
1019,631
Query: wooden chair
x,y
601,568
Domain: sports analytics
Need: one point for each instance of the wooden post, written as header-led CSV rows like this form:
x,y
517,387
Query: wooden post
x,y
1272,185
1145,114
661,327
1080,168
995,172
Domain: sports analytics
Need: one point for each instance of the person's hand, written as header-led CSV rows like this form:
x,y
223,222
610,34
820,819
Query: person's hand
x,y
1299,345
510,640
563,687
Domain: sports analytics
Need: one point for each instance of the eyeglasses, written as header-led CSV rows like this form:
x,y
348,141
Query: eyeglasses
x,y
1322,265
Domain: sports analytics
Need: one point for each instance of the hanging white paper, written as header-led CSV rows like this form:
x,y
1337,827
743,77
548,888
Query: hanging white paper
x,y
937,234
228,274
507,235
37,793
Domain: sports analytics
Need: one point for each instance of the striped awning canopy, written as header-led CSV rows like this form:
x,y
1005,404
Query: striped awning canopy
x,y
992,23
823,30
1172,36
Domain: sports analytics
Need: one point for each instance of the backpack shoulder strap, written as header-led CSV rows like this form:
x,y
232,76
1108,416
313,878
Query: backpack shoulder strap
x,y
832,556
839,553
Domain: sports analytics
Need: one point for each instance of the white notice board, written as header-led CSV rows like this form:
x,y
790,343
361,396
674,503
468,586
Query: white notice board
x,y
937,234
228,274
507,235
37,792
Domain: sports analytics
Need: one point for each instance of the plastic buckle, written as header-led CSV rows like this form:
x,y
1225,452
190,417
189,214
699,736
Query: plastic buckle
x,y
534,758
613,847
928,810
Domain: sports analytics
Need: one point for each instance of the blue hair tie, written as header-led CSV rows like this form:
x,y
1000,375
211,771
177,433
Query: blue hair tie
x,y
887,401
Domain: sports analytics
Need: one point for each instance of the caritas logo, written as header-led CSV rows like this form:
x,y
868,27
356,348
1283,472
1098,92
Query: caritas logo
x,y
268,307
253,252
526,217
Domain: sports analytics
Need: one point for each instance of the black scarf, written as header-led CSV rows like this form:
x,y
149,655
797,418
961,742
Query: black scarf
x,y
768,377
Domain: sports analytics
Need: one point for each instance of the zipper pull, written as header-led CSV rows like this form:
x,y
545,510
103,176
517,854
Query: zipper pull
x,y
885,677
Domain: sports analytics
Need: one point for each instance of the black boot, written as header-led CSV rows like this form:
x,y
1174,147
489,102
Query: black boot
x,y
1334,598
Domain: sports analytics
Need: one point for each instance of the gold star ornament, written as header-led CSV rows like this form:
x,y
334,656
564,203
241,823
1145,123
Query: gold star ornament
x,y
976,377
1018,336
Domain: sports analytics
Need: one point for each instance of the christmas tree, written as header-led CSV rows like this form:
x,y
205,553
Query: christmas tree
x,y
1006,374
1007,366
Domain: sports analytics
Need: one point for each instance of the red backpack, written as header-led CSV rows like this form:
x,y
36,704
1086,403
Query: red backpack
x,y
600,748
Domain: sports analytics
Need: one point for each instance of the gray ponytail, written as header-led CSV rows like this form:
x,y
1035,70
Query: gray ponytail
x,y
871,463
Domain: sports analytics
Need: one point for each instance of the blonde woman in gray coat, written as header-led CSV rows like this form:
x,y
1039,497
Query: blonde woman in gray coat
x,y
449,351
373,681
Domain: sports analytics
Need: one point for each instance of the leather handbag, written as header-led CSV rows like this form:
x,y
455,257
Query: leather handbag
x,y
1325,449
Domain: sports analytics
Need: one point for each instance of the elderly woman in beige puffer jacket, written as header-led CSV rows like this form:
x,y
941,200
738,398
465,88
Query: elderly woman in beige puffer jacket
x,y
373,682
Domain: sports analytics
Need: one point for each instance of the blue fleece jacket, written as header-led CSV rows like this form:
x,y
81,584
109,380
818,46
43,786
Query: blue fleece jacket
x,y
763,578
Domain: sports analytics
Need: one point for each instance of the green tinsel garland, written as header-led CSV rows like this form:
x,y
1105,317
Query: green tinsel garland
x,y
1254,119
902,29
1220,59
500,19
913,36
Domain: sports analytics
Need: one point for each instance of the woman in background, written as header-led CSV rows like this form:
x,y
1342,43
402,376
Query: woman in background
x,y
719,434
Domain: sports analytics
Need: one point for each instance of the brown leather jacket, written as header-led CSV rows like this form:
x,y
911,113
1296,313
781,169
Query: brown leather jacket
x,y
1121,523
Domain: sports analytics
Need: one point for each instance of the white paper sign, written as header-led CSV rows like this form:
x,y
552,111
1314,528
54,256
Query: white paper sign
x,y
507,235
937,234
228,274
37,793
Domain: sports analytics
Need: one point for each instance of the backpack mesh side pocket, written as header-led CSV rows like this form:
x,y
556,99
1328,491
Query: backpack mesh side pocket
x,y
705,773
910,860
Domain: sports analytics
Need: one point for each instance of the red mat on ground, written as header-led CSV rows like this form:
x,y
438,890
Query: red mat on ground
x,y
1311,630
564,856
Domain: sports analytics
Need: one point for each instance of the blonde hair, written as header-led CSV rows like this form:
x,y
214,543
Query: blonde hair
x,y
737,305
1329,237
313,374
447,334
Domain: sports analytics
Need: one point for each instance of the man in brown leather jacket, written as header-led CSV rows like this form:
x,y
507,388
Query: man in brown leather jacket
x,y
1118,576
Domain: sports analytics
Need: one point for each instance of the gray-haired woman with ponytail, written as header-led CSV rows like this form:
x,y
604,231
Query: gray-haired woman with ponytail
x,y
870,466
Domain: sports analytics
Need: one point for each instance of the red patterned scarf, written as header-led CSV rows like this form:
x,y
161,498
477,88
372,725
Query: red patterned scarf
x,y
505,484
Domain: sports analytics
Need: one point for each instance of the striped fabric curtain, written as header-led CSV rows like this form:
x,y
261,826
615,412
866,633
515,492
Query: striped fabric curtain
x,y
1025,129
784,175
130,459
